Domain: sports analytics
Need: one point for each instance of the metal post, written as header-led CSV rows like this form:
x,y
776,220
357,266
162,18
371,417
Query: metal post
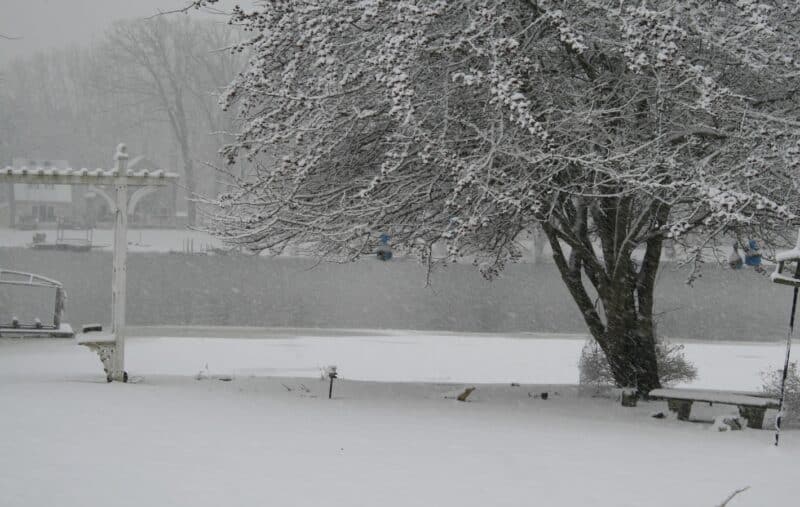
x,y
786,360
119,266
332,374
59,308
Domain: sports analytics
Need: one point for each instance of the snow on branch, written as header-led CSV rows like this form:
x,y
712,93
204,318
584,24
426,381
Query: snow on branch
x,y
462,125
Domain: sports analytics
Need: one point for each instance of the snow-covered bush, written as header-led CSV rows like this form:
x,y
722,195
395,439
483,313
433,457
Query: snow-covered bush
x,y
772,386
593,368
673,367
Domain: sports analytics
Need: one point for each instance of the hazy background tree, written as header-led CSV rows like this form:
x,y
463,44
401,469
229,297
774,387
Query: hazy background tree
x,y
174,65
153,83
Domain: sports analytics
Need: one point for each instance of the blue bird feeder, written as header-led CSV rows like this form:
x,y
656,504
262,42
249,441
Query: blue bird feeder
x,y
752,253
384,252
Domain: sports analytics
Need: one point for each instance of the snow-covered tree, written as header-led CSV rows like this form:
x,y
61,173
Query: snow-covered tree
x,y
612,124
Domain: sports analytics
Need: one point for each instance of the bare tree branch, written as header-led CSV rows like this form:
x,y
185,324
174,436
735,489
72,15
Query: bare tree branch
x,y
730,497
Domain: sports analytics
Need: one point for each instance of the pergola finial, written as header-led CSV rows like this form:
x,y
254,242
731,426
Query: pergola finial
x,y
121,157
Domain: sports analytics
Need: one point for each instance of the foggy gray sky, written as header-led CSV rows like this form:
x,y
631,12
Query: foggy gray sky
x,y
44,24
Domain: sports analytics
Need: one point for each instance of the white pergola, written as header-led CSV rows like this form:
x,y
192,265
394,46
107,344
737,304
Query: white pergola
x,y
110,348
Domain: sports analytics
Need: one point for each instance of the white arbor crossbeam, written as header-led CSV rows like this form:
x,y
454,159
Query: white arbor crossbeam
x,y
49,176
113,351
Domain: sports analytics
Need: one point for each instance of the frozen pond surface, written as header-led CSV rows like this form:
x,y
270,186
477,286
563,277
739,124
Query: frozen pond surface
x,y
400,356
403,356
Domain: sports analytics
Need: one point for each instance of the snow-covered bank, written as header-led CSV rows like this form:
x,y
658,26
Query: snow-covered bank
x,y
385,356
392,356
70,439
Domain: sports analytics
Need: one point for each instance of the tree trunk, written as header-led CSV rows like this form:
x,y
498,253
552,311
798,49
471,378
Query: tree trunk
x,y
632,358
625,329
538,245
629,345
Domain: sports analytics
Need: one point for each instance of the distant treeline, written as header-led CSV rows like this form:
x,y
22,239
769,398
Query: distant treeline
x,y
174,289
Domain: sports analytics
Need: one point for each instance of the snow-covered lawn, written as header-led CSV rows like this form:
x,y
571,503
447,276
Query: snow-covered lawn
x,y
271,437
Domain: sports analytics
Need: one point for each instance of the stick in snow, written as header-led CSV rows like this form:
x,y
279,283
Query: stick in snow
x,y
463,396
723,504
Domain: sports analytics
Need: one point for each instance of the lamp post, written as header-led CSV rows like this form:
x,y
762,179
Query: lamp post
x,y
331,370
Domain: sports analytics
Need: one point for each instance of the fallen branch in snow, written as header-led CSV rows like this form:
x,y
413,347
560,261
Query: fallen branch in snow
x,y
700,132
463,396
724,503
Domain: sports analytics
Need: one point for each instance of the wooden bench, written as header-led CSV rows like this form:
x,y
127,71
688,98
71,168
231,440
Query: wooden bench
x,y
751,406
103,344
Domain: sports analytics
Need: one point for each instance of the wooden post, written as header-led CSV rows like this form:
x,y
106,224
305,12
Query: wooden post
x,y
12,206
59,308
120,267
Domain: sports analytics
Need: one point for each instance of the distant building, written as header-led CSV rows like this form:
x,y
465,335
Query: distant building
x,y
34,205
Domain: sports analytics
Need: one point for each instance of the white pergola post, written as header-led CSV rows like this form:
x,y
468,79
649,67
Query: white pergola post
x,y
111,349
120,267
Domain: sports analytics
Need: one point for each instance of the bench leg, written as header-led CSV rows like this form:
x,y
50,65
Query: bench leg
x,y
682,407
754,416
104,351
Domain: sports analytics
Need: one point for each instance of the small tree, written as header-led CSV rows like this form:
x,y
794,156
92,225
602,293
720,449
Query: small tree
x,y
611,125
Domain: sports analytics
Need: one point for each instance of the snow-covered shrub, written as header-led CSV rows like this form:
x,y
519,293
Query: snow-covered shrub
x,y
593,368
772,386
673,367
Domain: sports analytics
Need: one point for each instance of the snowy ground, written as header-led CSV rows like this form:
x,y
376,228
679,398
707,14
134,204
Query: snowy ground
x,y
271,437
